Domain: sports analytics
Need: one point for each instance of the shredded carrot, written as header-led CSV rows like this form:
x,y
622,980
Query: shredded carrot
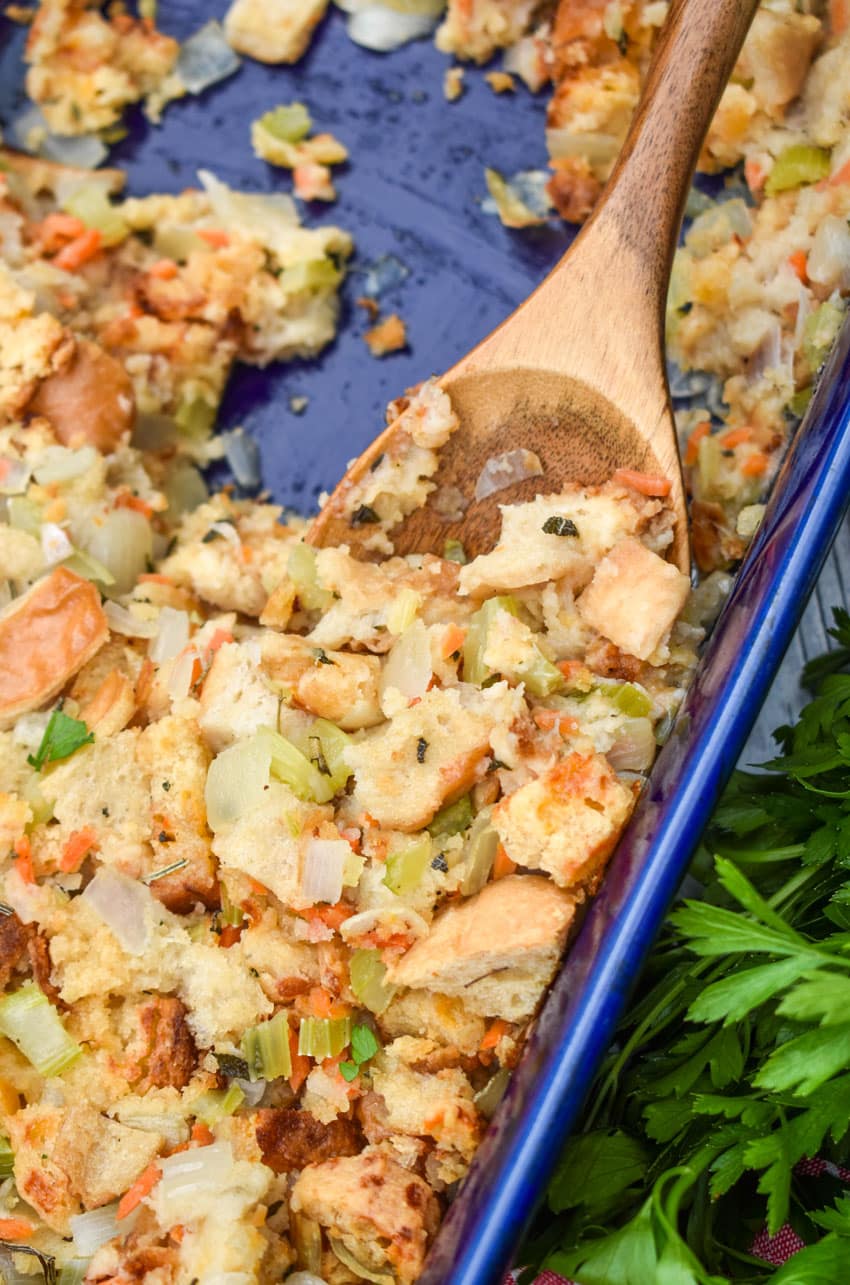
x,y
645,483
841,175
216,237
755,465
201,1134
247,553
77,847
5,466
692,449
322,1003
229,935
735,436
259,888
143,1185
219,638
15,1229
79,251
163,270
330,916
453,640
176,1233
754,174
546,719
799,261
23,865
300,1064
135,502
58,229
573,669
154,577
502,865
839,16
144,682
493,1034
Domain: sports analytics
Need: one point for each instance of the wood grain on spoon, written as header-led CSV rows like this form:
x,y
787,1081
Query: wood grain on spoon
x,y
577,373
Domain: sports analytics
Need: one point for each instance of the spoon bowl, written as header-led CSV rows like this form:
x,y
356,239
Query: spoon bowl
x,y
577,373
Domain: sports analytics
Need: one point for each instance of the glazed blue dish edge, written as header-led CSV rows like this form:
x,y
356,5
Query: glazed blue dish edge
x,y
483,1228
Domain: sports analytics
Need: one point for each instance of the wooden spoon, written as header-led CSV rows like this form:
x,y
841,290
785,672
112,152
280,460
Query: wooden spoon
x,y
577,373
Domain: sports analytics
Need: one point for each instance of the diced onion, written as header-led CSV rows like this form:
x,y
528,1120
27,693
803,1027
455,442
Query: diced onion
x,y
184,488
384,274
381,29
507,469
479,854
201,1169
634,747
227,531
243,455
123,542
324,862
828,264
368,980
179,682
84,151
98,1226
408,665
206,58
402,611
55,545
123,621
236,780
124,905
252,1091
173,1128
172,635
14,476
365,1273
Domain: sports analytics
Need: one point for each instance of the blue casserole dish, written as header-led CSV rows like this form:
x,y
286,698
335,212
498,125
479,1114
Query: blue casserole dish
x,y
413,191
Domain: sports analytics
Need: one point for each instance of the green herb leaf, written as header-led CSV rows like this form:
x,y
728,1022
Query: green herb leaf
x,y
62,736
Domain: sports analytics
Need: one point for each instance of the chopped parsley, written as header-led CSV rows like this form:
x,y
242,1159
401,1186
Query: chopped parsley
x,y
560,526
421,747
363,1047
62,736
440,863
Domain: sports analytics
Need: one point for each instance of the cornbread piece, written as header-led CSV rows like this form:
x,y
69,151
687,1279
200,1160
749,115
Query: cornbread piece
x,y
273,30
634,598
336,685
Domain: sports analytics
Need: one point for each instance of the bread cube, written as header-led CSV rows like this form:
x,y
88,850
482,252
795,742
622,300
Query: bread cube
x,y
634,598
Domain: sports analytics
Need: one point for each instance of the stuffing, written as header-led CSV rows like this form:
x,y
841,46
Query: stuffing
x,y
284,969
292,1139
101,1157
456,727
389,335
33,1133
437,1106
442,1019
634,598
475,31
498,949
567,821
46,635
273,31
235,699
336,685
221,995
382,1213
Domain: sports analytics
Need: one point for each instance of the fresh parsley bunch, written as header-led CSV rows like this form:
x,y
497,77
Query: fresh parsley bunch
x,y
733,1063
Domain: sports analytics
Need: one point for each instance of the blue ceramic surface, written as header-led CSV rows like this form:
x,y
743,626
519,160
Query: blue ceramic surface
x,y
413,190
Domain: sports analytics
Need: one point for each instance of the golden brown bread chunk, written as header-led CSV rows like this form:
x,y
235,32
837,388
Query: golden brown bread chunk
x,y
89,401
291,1139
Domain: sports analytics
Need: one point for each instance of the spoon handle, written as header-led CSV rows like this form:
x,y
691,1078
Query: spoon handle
x,y
642,208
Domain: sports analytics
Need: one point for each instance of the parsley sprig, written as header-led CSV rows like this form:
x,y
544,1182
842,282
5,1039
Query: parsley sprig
x,y
363,1047
734,1061
62,736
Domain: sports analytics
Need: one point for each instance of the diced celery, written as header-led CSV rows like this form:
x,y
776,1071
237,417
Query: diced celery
x,y
453,551
479,854
83,564
301,570
819,331
292,767
403,611
290,122
799,403
406,867
73,1272
332,743
540,676
24,514
41,810
31,1022
173,242
230,914
7,1158
314,274
265,1048
797,165
195,417
321,1037
488,1098
474,669
307,1239
91,205
368,980
452,819
628,698
215,1105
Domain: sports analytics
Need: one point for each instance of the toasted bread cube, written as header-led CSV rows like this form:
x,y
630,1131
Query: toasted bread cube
x,y
498,949
101,1157
634,598
336,685
567,821
528,555
272,31
384,1214
235,701
438,1105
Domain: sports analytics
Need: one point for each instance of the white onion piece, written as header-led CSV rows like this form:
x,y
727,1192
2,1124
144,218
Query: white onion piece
x,y
84,151
408,665
201,1169
172,1127
179,682
123,542
634,746
172,635
124,905
206,58
385,273
829,258
324,863
58,464
236,781
394,918
228,532
95,1228
381,29
505,470
122,621
243,455
30,728
55,545
252,1092
14,476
